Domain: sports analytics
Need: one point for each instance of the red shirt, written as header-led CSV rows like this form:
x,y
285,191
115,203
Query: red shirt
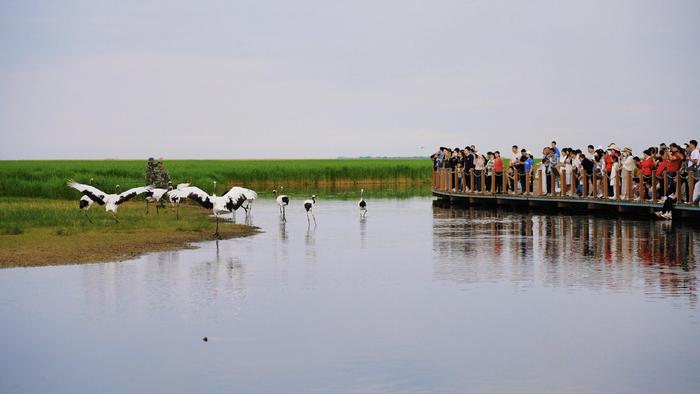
x,y
674,164
660,169
498,165
647,166
608,162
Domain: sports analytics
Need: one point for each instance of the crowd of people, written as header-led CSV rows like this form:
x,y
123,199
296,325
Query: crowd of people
x,y
662,171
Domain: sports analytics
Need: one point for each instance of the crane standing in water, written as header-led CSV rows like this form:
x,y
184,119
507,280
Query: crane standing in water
x,y
362,204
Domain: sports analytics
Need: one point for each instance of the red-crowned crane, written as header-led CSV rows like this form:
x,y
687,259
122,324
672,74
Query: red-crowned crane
x,y
155,195
309,206
176,198
229,202
85,203
282,201
362,204
250,196
110,201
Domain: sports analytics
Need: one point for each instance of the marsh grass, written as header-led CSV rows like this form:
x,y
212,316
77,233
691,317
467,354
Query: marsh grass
x,y
46,179
40,231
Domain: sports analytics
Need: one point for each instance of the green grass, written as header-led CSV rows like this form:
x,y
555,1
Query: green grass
x,y
37,231
46,179
17,215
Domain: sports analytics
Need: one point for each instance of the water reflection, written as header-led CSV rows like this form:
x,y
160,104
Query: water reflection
x,y
476,245
363,232
161,281
310,241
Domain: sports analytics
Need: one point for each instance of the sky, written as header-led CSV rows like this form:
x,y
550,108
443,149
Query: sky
x,y
306,79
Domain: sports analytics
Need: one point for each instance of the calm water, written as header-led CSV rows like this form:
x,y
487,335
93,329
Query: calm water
x,y
414,298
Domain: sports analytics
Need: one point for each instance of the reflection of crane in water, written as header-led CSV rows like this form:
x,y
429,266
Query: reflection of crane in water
x,y
363,232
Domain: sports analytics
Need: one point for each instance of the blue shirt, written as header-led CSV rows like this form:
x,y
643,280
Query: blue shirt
x,y
528,164
557,154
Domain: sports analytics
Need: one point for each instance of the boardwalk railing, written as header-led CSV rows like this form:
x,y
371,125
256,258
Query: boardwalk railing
x,y
621,186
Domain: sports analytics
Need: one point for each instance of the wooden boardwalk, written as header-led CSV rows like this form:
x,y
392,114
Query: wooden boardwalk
x,y
453,187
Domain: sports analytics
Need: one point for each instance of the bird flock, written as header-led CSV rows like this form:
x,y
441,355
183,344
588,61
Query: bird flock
x,y
235,198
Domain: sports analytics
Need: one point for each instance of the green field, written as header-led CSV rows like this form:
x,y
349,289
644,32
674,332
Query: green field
x,y
39,231
46,179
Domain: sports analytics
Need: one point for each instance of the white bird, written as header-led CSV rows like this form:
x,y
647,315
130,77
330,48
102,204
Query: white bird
x,y
110,201
282,201
250,196
176,198
362,204
85,203
309,206
229,202
155,195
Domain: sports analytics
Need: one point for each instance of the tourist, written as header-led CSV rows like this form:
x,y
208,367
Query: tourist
x,y
554,164
520,168
479,166
586,174
673,160
694,157
515,156
490,164
614,173
469,166
628,168
567,162
591,153
646,167
529,163
498,169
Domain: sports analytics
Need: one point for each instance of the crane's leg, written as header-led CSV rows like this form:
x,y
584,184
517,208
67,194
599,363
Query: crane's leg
x,y
157,208
177,211
314,217
146,207
284,214
114,215
216,234
88,216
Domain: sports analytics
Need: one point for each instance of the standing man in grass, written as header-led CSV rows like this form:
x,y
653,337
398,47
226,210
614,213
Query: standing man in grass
x,y
157,175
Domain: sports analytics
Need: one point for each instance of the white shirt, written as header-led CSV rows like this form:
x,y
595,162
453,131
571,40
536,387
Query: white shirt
x,y
694,155
515,157
628,163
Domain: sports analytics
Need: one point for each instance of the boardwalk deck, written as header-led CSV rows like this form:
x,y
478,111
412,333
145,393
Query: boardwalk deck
x,y
443,182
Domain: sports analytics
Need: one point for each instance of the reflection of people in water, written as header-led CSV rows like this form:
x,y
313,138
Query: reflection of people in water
x,y
566,245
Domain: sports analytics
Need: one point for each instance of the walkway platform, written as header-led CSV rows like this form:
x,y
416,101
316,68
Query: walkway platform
x,y
645,208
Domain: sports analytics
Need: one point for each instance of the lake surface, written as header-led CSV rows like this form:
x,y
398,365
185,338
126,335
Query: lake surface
x,y
412,299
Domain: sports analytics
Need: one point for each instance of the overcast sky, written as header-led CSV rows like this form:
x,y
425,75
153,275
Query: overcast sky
x,y
261,79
